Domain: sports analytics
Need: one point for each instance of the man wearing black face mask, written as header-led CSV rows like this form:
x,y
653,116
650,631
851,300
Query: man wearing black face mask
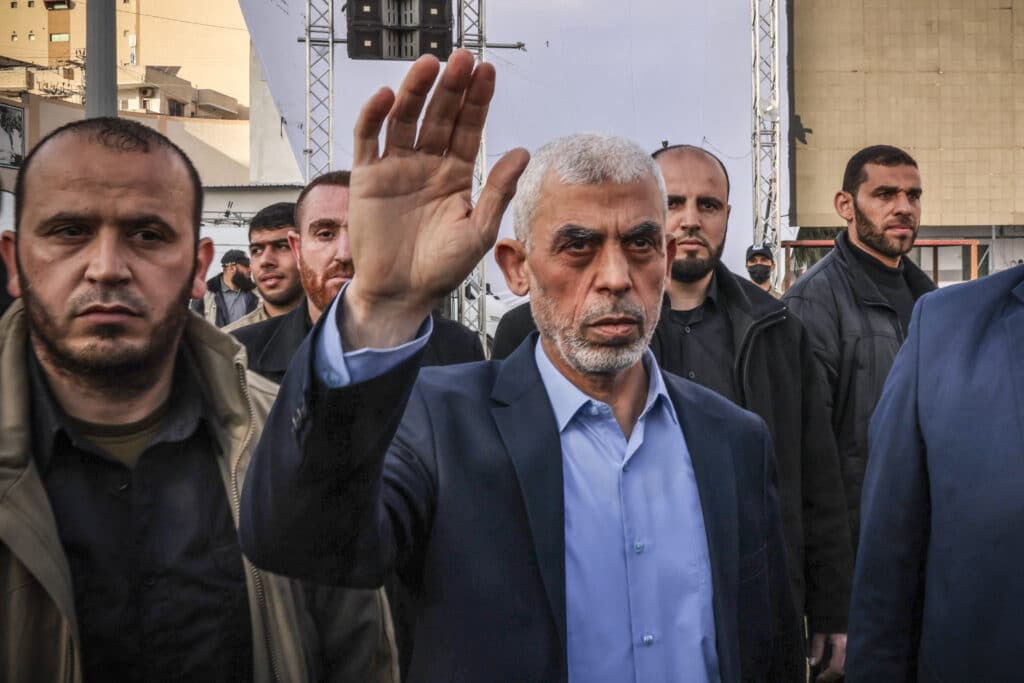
x,y
760,266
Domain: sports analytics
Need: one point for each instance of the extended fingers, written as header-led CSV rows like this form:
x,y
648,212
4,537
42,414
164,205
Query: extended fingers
x,y
469,128
409,101
443,110
498,192
367,129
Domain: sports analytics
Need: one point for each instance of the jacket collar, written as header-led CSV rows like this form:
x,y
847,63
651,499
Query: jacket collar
x,y
27,525
280,347
864,288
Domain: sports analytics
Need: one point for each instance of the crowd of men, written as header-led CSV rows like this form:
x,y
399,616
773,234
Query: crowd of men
x,y
666,472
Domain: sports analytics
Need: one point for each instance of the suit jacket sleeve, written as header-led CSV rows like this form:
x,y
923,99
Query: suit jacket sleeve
x,y
888,582
828,550
312,505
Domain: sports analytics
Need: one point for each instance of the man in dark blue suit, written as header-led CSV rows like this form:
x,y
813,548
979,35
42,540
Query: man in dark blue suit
x,y
572,514
938,587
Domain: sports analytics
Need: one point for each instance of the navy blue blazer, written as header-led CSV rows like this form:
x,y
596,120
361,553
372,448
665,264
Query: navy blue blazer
x,y
467,504
939,585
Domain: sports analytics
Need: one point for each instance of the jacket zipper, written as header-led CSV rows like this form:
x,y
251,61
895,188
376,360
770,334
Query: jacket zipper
x,y
257,577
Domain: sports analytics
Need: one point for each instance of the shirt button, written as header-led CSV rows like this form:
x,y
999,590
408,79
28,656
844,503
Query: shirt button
x,y
687,329
149,582
594,410
648,640
638,547
124,486
691,374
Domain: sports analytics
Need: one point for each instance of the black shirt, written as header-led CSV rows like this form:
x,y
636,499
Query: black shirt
x,y
705,352
891,283
157,572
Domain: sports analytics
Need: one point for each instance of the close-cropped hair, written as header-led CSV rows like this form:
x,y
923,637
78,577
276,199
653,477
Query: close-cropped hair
x,y
883,155
695,148
581,159
332,178
121,135
278,215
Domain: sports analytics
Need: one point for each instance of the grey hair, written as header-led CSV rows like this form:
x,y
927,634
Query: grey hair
x,y
580,159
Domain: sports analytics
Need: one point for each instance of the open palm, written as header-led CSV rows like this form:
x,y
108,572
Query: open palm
x,y
414,231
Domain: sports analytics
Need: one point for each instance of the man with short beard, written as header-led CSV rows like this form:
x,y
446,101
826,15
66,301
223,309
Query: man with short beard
x,y
229,295
568,514
126,427
856,302
722,331
320,247
274,269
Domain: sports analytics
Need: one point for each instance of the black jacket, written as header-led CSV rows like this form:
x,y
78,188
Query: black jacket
x,y
775,375
271,344
855,335
5,298
215,294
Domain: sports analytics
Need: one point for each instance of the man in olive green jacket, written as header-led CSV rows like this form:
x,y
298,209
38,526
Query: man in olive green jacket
x,y
105,243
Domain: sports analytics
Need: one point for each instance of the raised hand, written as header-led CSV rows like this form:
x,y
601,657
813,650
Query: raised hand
x,y
414,232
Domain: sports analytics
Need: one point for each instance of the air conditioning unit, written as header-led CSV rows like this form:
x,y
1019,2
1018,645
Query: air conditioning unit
x,y
147,91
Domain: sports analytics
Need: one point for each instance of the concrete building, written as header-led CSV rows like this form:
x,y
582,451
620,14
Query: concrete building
x,y
943,79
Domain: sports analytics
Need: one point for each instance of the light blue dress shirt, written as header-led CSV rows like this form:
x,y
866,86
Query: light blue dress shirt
x,y
637,572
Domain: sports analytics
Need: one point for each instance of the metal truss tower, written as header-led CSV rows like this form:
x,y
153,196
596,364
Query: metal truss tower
x,y
469,302
319,87
766,121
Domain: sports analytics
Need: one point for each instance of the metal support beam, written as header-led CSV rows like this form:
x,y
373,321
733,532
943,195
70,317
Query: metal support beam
x,y
101,55
470,301
319,87
766,121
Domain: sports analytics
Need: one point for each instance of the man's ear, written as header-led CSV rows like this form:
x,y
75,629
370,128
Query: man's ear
x,y
294,242
670,255
511,257
844,206
204,256
8,248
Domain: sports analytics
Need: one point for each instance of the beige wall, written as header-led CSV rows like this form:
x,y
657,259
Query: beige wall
x,y
943,79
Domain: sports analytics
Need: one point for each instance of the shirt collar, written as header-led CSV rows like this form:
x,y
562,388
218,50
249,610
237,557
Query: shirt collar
x,y
49,420
567,399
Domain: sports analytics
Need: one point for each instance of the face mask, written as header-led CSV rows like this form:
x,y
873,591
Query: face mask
x,y
760,273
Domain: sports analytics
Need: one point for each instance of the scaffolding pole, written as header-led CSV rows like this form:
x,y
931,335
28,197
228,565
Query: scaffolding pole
x,y
766,122
319,130
470,300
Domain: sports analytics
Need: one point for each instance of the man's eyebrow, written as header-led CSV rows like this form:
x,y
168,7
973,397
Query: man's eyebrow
x,y
123,222
650,229
570,232
263,243
325,223
676,198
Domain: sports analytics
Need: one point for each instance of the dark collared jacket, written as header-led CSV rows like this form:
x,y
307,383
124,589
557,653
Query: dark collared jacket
x,y
214,308
855,335
775,376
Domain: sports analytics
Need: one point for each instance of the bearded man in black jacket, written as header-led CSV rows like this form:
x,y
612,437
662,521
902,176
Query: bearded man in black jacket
x,y
726,333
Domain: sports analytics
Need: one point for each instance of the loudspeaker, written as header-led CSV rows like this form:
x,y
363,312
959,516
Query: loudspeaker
x,y
437,42
435,13
365,42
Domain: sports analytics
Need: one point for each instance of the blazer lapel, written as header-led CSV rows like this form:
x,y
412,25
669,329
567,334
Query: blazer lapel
x,y
526,423
716,485
1013,323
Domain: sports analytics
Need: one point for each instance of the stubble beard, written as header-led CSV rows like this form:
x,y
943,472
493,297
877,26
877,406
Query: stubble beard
x,y
581,354
872,236
687,270
102,364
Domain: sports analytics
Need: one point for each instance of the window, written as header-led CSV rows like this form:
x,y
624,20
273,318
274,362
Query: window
x,y
56,4
59,37
14,35
124,105
31,35
14,4
31,3
175,108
